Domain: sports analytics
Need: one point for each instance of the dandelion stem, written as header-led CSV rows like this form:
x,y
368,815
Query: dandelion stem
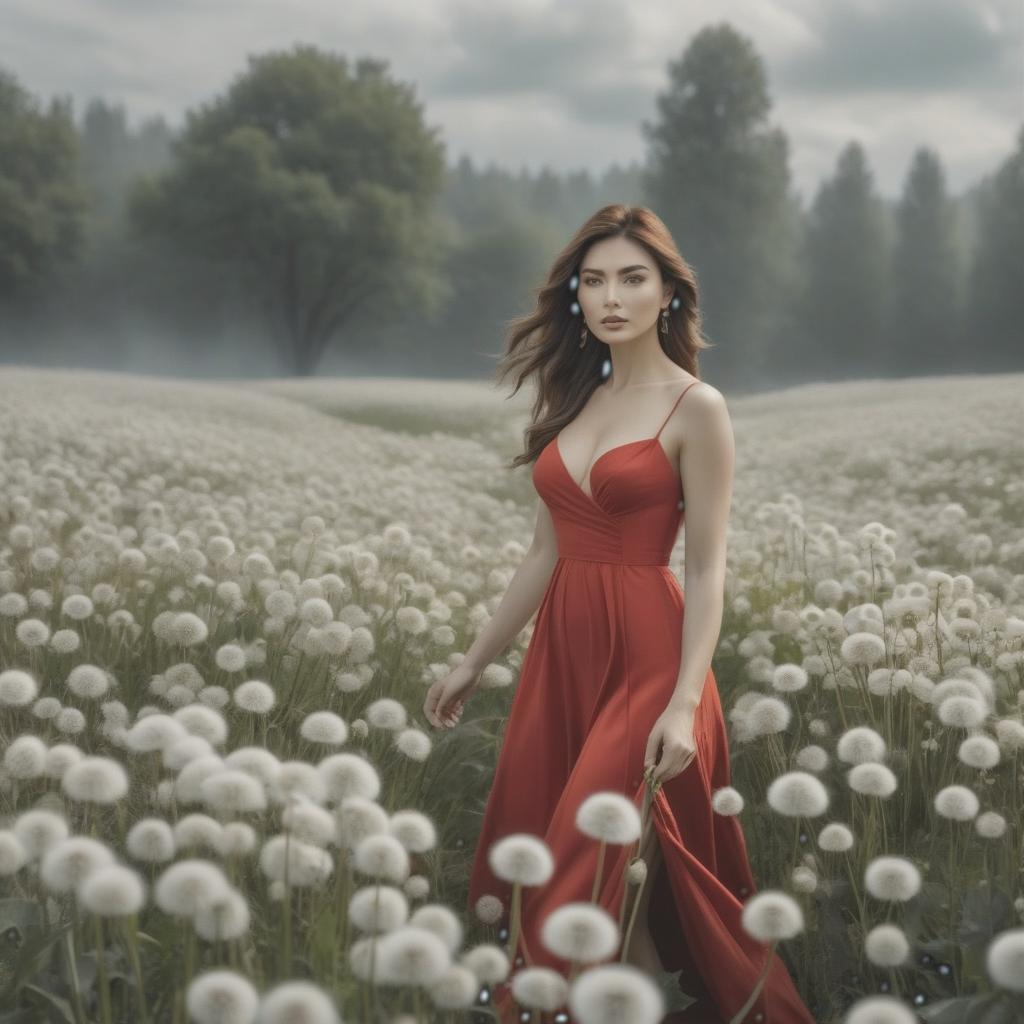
x,y
758,985
132,948
101,970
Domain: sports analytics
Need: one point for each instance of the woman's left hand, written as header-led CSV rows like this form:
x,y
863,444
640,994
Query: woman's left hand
x,y
673,733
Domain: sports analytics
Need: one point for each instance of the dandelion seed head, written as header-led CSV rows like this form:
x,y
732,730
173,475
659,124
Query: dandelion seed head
x,y
979,751
609,817
198,830
203,721
230,658
112,891
789,678
179,753
98,780
880,1010
88,681
298,779
386,713
990,825
60,757
410,956
1004,960
414,830
962,712
254,697
297,1002
381,856
348,775
306,865
727,801
188,885
256,761
17,688
226,919
69,721
151,840
958,803
357,818
378,908
798,794
769,715
77,606
32,633
154,732
25,757
324,727
886,945
222,997
308,822
772,915
68,862
46,708
521,857
860,744
580,931
892,878
872,779
39,829
237,839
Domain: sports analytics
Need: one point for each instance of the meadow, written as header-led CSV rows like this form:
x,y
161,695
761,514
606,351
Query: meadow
x,y
221,605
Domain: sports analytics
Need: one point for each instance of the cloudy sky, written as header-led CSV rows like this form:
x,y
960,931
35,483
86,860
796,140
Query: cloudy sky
x,y
566,83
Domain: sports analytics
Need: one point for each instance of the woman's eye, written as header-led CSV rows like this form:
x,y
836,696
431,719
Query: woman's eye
x,y
632,277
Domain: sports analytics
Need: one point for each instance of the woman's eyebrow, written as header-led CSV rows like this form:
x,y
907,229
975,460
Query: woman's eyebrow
x,y
624,270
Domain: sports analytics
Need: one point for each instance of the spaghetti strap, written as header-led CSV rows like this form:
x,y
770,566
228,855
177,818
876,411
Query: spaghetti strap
x,y
673,409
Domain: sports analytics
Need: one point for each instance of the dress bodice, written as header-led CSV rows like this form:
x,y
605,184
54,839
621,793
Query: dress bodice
x,y
635,507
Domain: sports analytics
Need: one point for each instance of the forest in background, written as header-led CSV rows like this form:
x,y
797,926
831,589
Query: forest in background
x,y
306,221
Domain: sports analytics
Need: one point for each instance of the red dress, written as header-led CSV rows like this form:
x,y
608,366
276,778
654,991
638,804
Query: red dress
x,y
600,668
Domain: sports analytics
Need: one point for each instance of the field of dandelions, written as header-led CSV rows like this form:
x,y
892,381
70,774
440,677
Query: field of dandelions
x,y
220,608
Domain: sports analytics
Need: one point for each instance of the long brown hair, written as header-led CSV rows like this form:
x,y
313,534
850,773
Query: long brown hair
x,y
545,343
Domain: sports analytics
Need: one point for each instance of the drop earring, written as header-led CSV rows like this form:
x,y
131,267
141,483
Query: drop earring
x,y
575,308
663,322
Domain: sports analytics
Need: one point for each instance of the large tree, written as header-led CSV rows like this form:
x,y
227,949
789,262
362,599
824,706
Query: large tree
x,y
43,202
844,273
994,328
316,187
921,322
718,176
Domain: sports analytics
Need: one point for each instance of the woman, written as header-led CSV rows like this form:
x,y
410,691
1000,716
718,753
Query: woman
x,y
616,681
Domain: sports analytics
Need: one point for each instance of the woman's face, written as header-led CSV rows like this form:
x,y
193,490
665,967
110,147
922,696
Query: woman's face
x,y
619,278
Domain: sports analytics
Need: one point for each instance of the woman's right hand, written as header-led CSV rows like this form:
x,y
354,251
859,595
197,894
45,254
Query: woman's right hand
x,y
447,696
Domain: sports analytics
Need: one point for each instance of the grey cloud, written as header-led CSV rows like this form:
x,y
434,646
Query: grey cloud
x,y
911,46
580,56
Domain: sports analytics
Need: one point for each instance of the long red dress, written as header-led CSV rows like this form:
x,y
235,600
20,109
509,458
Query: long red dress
x,y
600,668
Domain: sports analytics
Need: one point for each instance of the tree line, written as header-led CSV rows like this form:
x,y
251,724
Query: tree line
x,y
306,221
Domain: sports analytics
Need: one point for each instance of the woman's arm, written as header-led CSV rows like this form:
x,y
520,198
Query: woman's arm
x,y
706,466
522,597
